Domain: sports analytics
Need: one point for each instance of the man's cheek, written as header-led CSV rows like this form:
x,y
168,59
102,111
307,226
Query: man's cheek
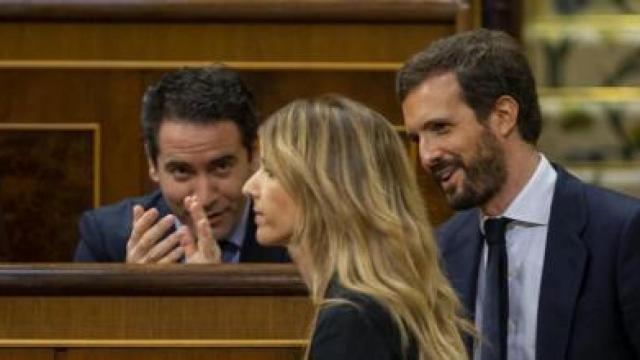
x,y
231,190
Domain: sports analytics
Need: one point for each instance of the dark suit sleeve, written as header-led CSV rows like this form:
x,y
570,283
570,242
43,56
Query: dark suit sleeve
x,y
90,240
346,332
629,278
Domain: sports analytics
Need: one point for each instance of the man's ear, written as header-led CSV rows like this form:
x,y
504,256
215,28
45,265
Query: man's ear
x,y
153,169
504,117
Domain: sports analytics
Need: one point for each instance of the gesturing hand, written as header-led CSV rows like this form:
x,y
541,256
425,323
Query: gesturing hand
x,y
147,242
204,249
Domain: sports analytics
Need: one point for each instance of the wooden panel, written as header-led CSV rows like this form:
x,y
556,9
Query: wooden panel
x,y
246,311
199,10
276,88
169,280
48,177
437,207
186,354
3,235
27,354
109,98
86,318
217,42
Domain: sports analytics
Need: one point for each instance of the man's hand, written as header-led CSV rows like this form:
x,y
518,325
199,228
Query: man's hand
x,y
204,250
146,243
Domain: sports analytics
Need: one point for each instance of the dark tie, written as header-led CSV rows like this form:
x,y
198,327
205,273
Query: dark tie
x,y
228,249
495,308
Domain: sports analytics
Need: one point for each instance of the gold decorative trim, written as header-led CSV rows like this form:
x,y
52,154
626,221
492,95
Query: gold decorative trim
x,y
93,127
623,28
167,65
145,343
591,94
592,21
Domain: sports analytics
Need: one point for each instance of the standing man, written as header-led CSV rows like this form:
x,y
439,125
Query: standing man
x,y
200,129
546,265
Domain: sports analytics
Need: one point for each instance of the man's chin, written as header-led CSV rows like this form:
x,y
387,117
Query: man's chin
x,y
450,192
221,231
460,201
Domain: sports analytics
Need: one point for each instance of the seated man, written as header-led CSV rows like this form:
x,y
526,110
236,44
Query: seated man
x,y
199,128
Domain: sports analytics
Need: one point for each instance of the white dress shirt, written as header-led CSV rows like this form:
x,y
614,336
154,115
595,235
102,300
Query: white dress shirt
x,y
526,239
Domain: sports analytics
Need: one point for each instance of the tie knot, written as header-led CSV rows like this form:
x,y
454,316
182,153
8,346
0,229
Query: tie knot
x,y
494,230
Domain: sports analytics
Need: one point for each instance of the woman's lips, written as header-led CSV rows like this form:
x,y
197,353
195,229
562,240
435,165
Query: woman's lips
x,y
258,216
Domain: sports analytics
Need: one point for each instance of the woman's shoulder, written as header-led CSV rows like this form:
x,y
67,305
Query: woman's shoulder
x,y
356,306
354,325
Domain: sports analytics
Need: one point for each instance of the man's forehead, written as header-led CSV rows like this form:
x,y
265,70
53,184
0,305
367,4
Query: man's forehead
x,y
439,83
178,133
174,122
178,159
439,89
186,140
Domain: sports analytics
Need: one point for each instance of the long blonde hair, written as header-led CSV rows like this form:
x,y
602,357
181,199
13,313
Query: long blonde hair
x,y
363,218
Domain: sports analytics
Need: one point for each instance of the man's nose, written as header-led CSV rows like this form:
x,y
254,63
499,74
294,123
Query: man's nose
x,y
206,189
429,153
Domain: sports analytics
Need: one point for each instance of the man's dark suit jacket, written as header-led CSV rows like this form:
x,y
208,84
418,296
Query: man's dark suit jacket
x,y
104,233
589,305
359,330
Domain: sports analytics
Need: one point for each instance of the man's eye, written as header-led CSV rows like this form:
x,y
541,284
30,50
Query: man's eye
x,y
223,167
439,128
179,172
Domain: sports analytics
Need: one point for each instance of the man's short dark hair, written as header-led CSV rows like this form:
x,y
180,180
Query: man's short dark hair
x,y
199,95
488,64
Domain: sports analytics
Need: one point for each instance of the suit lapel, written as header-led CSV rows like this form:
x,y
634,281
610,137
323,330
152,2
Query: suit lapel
x,y
161,205
462,258
249,251
461,253
153,200
564,266
163,210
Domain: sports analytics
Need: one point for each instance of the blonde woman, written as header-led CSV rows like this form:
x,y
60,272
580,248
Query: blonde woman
x,y
335,186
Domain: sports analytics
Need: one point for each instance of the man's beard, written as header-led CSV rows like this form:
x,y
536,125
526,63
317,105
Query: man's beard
x,y
483,177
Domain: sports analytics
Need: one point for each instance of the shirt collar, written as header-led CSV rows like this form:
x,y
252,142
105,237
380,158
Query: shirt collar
x,y
533,203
